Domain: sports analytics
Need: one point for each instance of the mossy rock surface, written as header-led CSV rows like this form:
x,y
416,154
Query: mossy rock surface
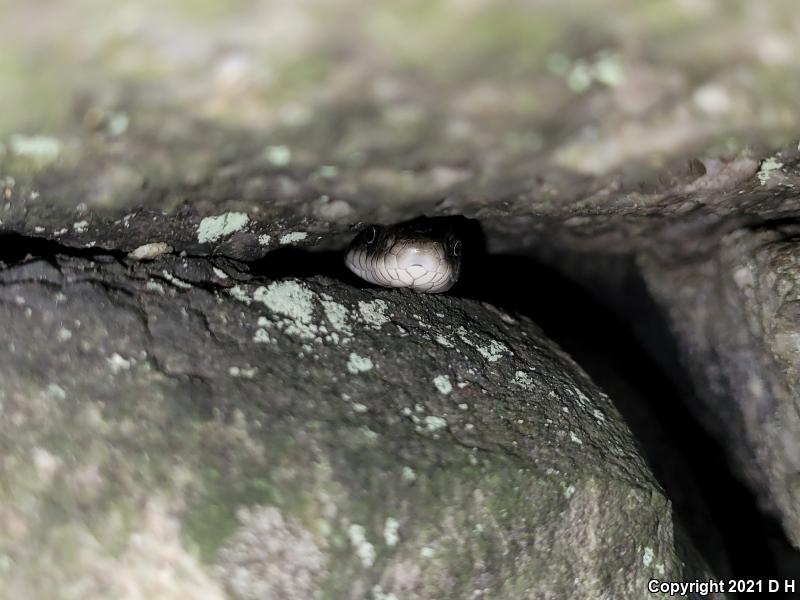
x,y
306,439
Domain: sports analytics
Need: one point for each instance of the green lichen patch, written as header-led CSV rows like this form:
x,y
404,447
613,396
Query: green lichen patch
x,y
374,313
278,156
768,167
359,364
293,301
214,228
442,383
41,149
293,237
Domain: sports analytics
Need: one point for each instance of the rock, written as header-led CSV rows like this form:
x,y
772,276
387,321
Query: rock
x,y
736,317
251,132
150,251
303,439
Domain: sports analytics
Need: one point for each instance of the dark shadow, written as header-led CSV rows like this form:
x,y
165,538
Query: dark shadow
x,y
15,248
296,262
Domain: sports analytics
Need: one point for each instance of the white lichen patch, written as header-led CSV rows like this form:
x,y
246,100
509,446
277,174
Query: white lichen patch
x,y
178,283
293,237
63,334
443,341
434,423
374,313
575,439
243,372
522,379
56,392
264,239
295,302
337,315
41,148
442,383
370,435
219,273
391,528
150,251
364,550
328,171
261,336
80,226
648,556
45,463
605,68
768,166
744,277
118,363
154,286
493,351
712,98
358,364
608,69
408,474
213,228
583,399
278,156
240,294
118,124
569,491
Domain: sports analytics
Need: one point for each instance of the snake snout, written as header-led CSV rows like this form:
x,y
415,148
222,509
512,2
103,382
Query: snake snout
x,y
418,261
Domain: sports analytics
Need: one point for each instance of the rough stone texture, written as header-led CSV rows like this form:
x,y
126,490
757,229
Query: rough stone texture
x,y
736,317
199,133
577,117
166,439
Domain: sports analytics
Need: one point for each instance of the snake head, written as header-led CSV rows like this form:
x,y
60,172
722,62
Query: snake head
x,y
423,254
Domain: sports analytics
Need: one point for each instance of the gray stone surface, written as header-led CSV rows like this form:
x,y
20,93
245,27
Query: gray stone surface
x,y
735,316
305,439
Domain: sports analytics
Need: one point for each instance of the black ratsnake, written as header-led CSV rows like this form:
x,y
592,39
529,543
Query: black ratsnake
x,y
423,254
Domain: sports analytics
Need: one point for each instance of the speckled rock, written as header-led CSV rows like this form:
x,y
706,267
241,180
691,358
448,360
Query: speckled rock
x,y
300,439
199,134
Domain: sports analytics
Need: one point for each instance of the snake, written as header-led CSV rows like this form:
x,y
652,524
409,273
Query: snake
x,y
423,254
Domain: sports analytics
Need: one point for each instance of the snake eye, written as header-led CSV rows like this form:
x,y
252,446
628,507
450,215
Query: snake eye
x,y
371,234
457,248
